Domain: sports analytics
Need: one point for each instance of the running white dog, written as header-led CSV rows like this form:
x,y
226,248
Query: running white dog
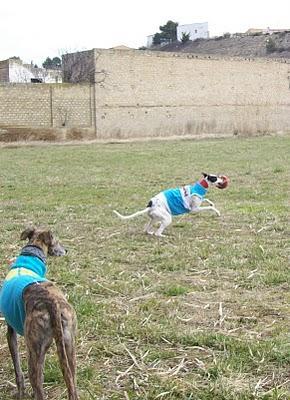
x,y
176,202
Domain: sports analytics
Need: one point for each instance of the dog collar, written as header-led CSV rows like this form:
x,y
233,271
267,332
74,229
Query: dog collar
x,y
32,250
203,183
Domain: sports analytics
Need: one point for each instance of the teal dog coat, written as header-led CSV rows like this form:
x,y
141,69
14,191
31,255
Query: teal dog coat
x,y
29,268
177,198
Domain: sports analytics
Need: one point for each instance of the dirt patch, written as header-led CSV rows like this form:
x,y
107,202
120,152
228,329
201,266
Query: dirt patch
x,y
24,134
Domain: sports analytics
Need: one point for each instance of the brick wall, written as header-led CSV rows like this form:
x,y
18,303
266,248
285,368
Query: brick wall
x,y
25,105
72,106
59,107
160,94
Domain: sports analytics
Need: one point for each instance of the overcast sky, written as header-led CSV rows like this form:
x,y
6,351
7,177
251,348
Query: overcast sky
x,y
33,29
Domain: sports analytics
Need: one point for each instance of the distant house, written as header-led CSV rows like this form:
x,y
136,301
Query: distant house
x,y
163,41
14,70
265,31
195,31
149,40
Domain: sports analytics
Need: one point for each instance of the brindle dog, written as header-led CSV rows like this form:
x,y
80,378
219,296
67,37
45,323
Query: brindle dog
x,y
46,314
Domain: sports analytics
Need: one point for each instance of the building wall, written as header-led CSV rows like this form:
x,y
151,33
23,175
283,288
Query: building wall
x,y
18,73
49,75
142,93
79,67
149,41
4,71
195,31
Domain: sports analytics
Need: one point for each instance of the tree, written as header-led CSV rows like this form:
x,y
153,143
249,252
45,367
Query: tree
x,y
54,63
185,37
168,33
157,38
169,30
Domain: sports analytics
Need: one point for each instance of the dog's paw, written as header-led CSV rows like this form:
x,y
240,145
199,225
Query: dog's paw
x,y
20,395
160,235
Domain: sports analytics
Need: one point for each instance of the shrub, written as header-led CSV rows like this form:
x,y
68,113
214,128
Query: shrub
x,y
270,45
185,37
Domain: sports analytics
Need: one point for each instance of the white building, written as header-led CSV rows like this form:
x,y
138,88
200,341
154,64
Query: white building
x,y
149,41
14,70
163,42
195,31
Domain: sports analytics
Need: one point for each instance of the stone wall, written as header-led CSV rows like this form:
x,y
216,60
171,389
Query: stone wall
x,y
142,93
132,94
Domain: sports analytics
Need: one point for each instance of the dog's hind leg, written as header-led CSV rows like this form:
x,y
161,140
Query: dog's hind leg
x,y
35,370
149,227
69,328
38,337
64,326
165,221
13,347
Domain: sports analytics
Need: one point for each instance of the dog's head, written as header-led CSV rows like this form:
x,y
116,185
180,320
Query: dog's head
x,y
211,179
45,240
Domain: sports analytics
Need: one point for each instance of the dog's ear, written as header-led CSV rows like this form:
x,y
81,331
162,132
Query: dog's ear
x,y
204,174
46,238
27,233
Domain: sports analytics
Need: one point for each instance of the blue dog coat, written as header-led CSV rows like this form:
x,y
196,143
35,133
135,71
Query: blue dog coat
x,y
177,198
26,270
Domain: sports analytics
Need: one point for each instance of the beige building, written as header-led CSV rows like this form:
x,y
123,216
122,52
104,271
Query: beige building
x,y
265,31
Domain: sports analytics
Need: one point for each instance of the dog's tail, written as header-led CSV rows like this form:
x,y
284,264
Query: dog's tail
x,y
64,344
136,214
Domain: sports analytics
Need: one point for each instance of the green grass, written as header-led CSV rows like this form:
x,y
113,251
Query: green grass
x,y
202,314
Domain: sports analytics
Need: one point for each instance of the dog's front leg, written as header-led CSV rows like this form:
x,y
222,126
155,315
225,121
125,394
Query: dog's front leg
x,y
208,208
13,347
209,202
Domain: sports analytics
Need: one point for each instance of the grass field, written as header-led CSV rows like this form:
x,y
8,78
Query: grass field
x,y
201,314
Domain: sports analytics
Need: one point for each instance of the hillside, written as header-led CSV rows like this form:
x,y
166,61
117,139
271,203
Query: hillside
x,y
243,46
